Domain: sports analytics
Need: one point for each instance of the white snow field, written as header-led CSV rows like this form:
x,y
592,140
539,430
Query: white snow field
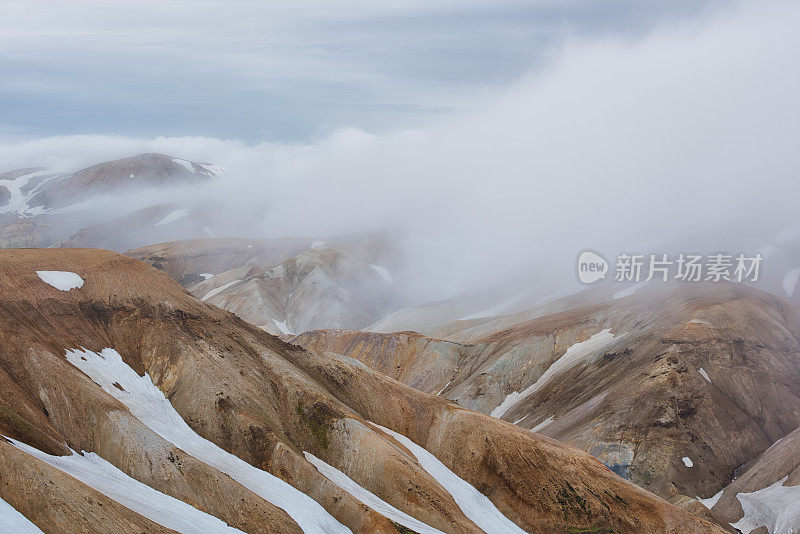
x,y
475,505
185,164
572,357
283,327
628,291
790,281
18,202
158,507
147,403
711,501
383,271
219,289
62,280
173,216
776,507
369,498
542,424
687,461
12,521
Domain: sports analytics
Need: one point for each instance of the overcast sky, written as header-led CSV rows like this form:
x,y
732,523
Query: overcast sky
x,y
281,71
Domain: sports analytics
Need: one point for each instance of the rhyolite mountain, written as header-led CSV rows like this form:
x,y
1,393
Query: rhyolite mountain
x,y
41,207
284,286
674,387
114,377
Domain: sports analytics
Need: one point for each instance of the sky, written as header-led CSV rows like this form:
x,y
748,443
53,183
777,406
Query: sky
x,y
289,71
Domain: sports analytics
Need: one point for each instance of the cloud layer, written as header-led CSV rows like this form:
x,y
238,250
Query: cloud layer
x,y
618,144
274,70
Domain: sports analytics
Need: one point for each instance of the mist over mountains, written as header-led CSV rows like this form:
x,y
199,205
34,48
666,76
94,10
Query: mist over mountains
x,y
382,329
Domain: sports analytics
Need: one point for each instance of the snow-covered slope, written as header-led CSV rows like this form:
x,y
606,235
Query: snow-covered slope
x,y
13,522
202,407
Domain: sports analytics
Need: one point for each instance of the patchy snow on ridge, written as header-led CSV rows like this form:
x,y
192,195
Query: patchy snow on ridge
x,y
103,476
367,497
14,522
498,309
219,289
776,507
572,357
283,327
711,501
475,505
705,375
147,403
172,217
790,281
206,276
543,424
628,291
61,280
445,387
211,169
185,164
383,272
18,201
687,461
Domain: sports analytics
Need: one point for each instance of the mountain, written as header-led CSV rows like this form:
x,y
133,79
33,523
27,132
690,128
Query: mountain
x,y
128,403
766,491
144,170
194,260
43,208
34,191
283,286
322,286
672,388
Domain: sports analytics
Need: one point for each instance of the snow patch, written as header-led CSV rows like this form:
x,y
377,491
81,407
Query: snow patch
x,y
283,327
790,281
211,169
776,507
543,424
219,289
475,505
705,375
318,244
711,501
383,272
185,164
148,404
97,473
172,217
444,388
497,309
131,176
687,461
18,201
62,280
206,276
574,355
14,522
369,498
628,291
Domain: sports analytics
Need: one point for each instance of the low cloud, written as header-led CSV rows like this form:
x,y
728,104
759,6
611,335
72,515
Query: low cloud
x,y
617,145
